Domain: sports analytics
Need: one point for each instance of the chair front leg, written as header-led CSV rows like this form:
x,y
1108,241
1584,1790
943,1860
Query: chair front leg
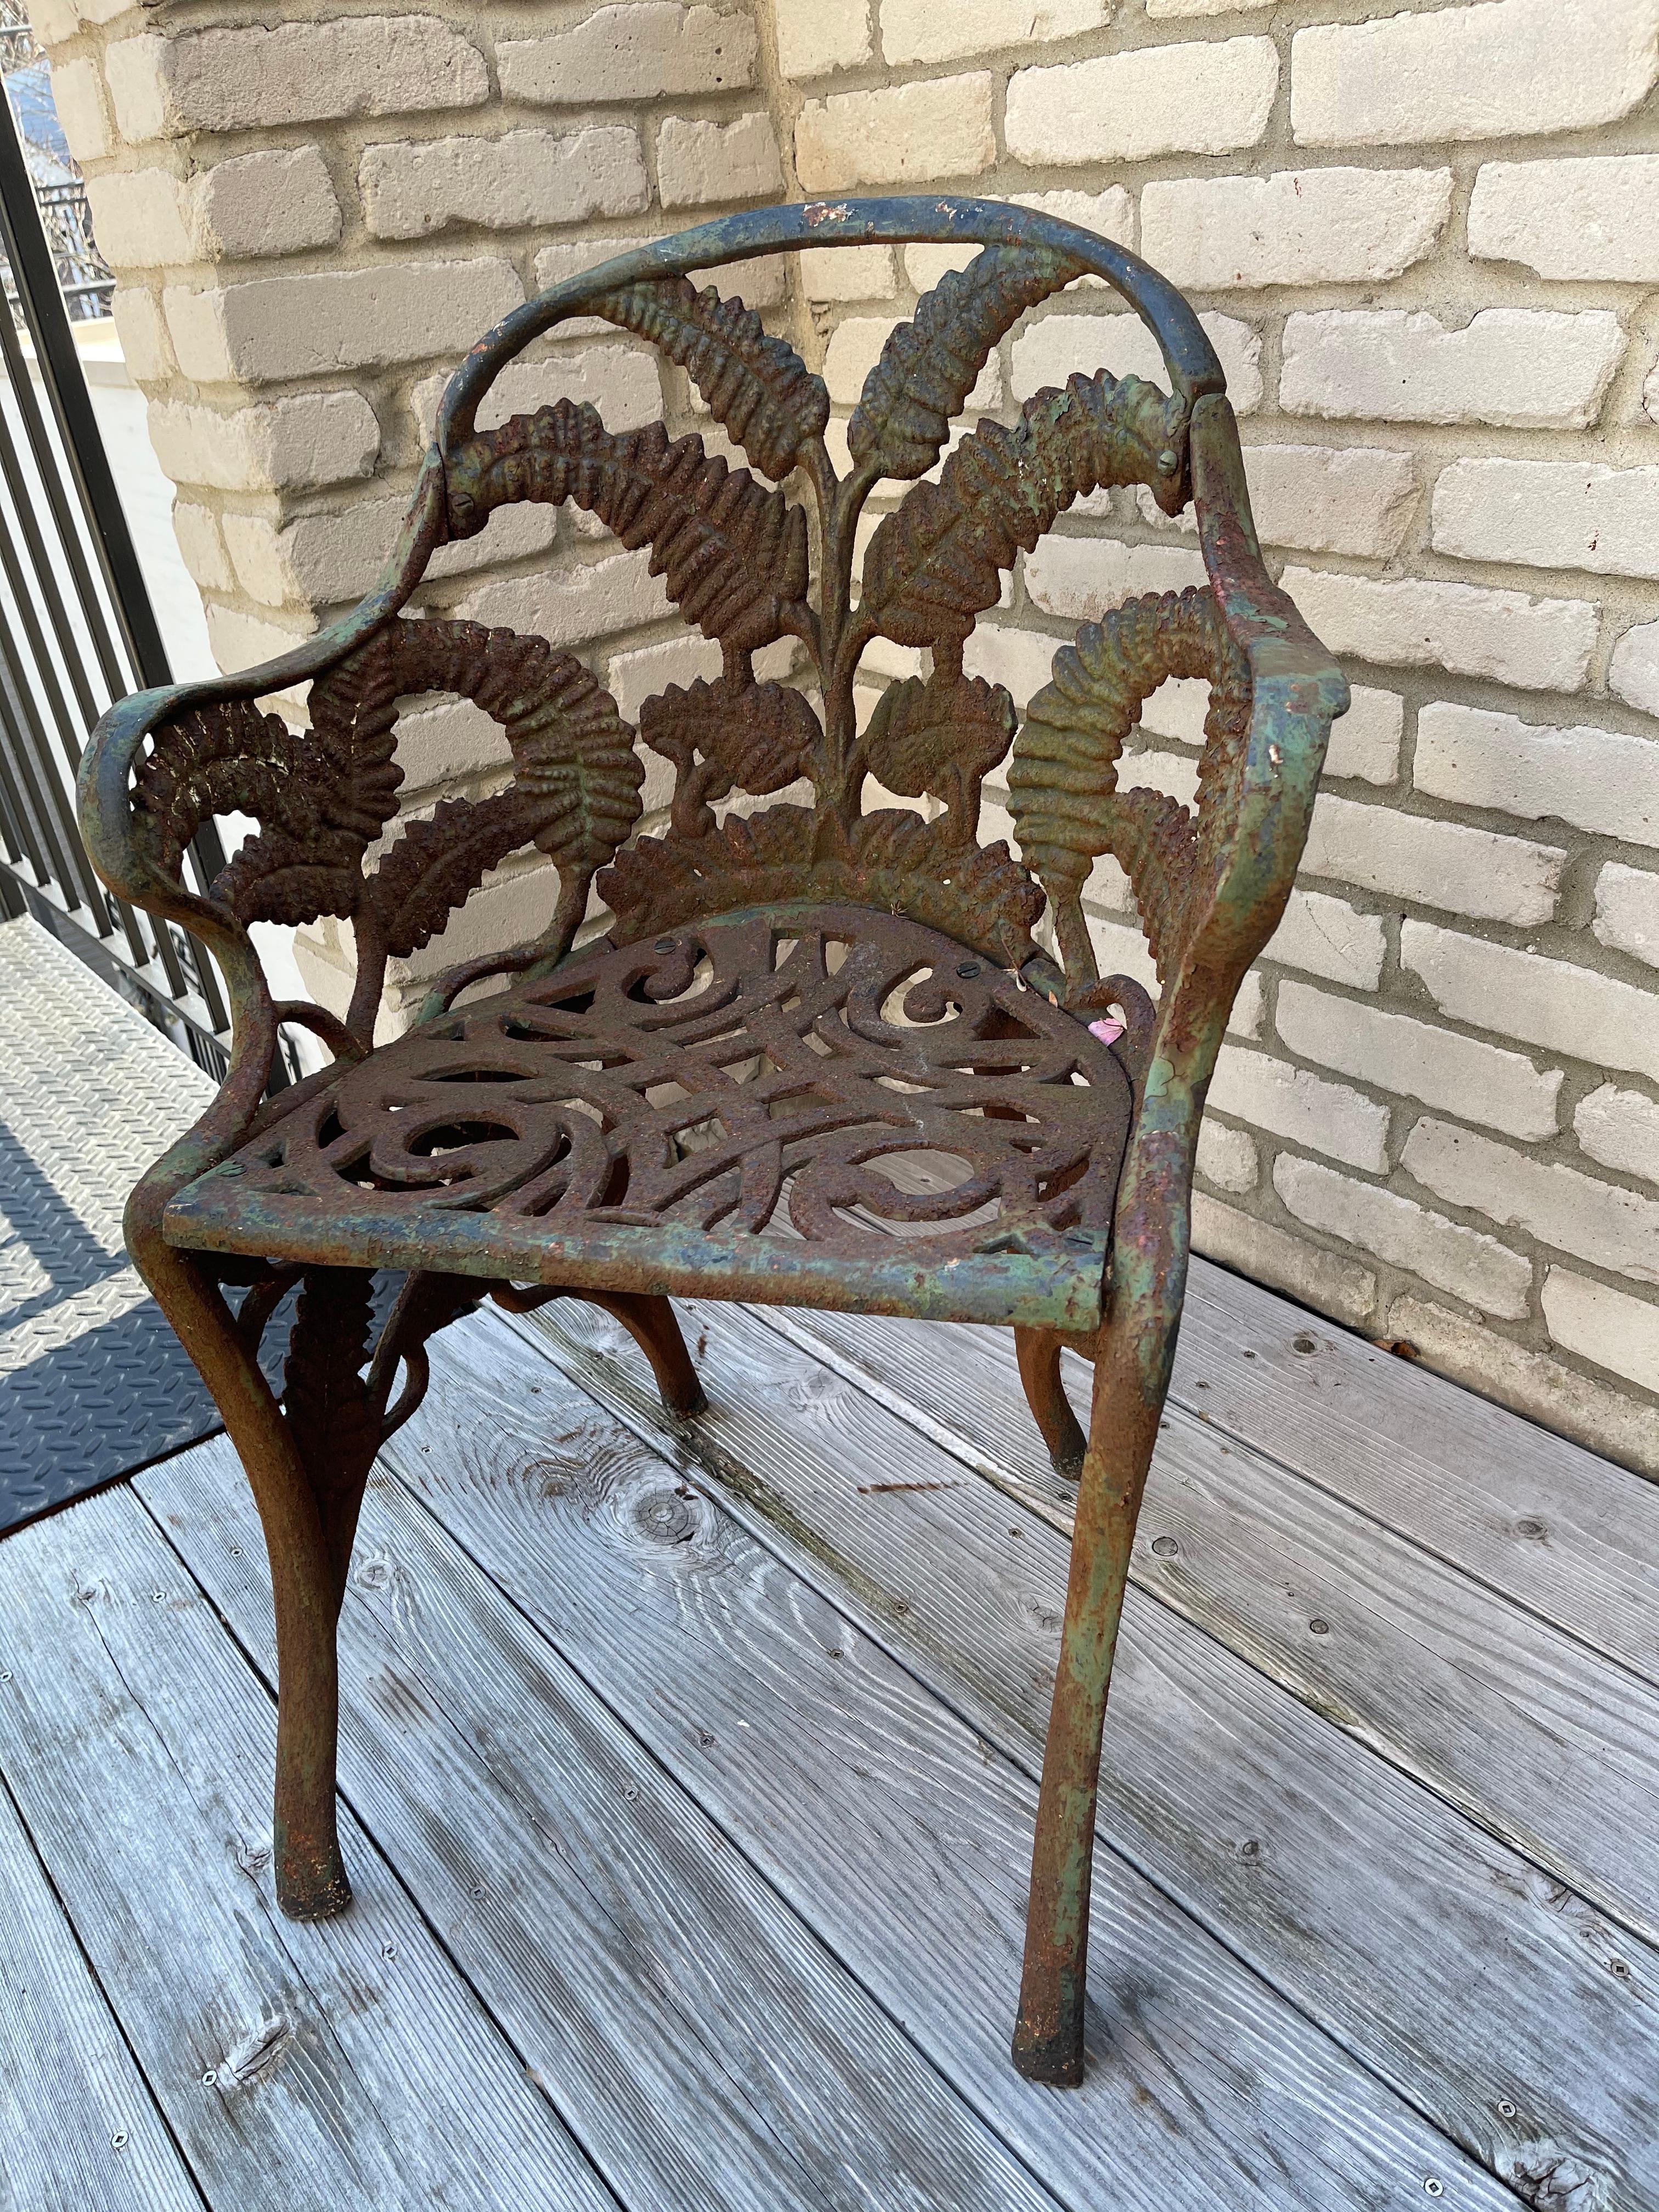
x,y
306,1581
1047,2045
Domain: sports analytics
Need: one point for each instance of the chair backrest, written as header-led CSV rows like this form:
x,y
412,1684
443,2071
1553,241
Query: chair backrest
x,y
750,563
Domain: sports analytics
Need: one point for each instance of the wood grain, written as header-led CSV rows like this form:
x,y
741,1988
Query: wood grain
x,y
79,2130
1570,1535
345,2063
1493,1997
892,1826
1506,1715
704,2046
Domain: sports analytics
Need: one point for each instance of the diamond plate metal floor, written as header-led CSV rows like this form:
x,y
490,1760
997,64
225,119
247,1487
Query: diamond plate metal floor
x,y
92,1381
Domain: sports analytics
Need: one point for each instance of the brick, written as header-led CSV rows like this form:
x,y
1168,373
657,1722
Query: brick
x,y
1365,743
1326,1117
1248,1013
1602,780
279,201
284,444
699,164
1549,514
1538,645
243,641
1589,218
1227,1156
646,50
1478,1082
1110,213
1326,936
1324,499
1200,99
815,38
1158,11
1524,368
259,78
1398,1230
922,31
1297,227
445,744
1610,1227
139,217
1440,864
320,560
523,178
1628,910
1534,1001
854,272
1608,1328
1633,673
1620,1128
855,347
636,676
1120,950
1544,1390
78,94
1323,1280
621,381
1021,660
896,134
281,326
142,334
1057,346
196,529
1485,72
1079,578
569,607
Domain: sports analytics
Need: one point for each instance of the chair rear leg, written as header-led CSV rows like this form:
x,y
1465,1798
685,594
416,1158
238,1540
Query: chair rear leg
x,y
307,1582
654,1327
1047,2044
1038,1351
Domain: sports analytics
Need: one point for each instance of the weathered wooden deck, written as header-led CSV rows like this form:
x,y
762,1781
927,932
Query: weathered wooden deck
x,y
690,1771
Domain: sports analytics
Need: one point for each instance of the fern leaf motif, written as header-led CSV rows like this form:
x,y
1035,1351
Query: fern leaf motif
x,y
223,759
935,563
731,553
756,387
943,735
1062,781
759,738
435,865
930,364
292,871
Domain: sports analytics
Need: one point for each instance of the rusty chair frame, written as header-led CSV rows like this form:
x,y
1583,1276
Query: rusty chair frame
x,y
699,1101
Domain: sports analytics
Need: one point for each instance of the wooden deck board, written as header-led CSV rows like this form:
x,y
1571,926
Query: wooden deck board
x,y
1463,1688
79,2130
892,1828
701,2044
1451,1964
1555,1529
690,1771
348,2062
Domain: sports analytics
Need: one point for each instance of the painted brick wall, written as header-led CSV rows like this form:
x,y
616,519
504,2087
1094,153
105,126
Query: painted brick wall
x,y
1422,240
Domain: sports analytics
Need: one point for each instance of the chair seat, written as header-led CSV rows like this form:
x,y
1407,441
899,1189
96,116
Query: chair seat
x,y
818,1106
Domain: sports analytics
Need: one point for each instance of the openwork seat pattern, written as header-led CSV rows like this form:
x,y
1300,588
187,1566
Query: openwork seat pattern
x,y
820,1051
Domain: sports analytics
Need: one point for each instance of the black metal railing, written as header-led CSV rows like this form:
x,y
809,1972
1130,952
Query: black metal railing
x,y
77,630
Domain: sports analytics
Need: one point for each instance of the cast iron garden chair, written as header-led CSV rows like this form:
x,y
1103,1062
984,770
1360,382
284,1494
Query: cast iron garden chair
x,y
788,999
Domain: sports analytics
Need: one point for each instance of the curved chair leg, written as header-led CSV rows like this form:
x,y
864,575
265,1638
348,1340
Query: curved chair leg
x,y
305,1581
1038,1351
649,1321
654,1327
1047,2044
